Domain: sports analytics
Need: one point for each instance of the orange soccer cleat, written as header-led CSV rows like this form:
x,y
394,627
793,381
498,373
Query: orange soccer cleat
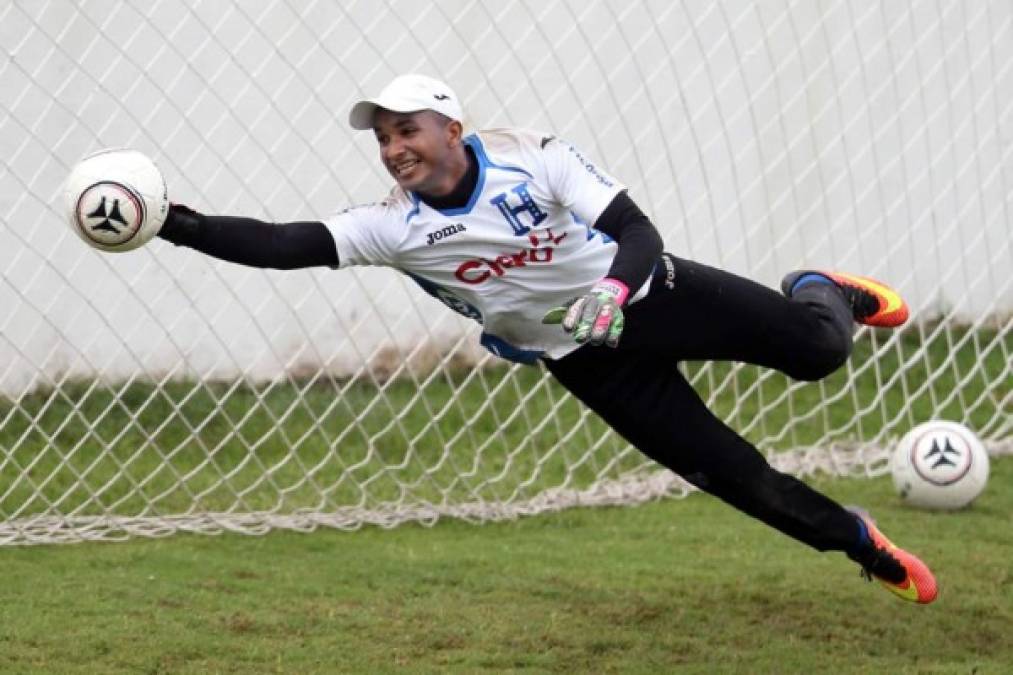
x,y
900,572
872,302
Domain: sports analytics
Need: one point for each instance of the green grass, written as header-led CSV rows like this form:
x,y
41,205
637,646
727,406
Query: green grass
x,y
673,586
92,449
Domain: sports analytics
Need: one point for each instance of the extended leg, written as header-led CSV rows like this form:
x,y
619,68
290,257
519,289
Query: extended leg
x,y
712,314
651,405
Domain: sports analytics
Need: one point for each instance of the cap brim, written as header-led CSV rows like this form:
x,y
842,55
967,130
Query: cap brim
x,y
361,115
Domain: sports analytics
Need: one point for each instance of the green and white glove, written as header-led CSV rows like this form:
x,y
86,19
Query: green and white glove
x,y
595,318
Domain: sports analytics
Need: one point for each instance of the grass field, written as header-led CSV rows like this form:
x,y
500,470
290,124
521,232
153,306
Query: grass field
x,y
673,586
92,449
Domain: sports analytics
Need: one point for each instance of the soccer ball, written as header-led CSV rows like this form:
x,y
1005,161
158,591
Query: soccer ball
x,y
939,465
116,199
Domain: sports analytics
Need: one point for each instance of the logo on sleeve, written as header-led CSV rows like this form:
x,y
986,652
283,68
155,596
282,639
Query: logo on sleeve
x,y
591,168
355,207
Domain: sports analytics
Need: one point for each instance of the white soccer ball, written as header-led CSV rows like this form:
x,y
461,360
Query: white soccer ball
x,y
939,465
116,199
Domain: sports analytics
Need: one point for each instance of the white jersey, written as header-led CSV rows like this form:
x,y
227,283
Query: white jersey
x,y
521,246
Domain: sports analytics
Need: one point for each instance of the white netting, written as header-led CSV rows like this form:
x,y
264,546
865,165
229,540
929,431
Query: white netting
x,y
158,391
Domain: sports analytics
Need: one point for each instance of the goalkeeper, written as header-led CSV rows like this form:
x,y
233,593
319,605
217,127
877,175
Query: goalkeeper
x,y
523,233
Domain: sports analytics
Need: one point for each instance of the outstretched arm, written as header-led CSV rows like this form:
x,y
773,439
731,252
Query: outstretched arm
x,y
247,241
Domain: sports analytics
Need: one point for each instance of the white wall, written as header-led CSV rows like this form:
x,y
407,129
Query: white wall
x,y
869,136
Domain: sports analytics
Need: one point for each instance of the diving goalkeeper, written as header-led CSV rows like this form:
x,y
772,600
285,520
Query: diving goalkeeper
x,y
525,234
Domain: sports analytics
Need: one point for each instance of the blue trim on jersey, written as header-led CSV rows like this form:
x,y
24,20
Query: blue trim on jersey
x,y
475,143
415,208
483,162
591,232
505,350
452,301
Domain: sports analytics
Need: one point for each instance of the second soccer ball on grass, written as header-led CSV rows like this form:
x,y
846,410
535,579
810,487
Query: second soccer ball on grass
x,y
939,465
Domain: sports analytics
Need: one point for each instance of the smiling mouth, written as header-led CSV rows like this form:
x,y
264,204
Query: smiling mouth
x,y
403,168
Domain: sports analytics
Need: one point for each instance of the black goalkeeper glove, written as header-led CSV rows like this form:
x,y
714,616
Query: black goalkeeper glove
x,y
182,226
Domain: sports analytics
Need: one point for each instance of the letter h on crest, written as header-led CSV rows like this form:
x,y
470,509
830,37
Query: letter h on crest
x,y
513,213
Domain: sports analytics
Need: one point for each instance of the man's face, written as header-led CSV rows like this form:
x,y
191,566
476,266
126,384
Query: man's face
x,y
417,148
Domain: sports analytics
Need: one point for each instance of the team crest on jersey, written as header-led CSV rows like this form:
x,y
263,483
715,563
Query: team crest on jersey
x,y
444,232
517,205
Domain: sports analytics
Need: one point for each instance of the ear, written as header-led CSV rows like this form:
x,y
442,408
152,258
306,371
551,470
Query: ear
x,y
455,132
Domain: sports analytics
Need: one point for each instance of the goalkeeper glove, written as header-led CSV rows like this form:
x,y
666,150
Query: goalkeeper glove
x,y
595,318
181,223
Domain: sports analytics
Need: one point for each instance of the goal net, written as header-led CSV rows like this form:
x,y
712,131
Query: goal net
x,y
160,391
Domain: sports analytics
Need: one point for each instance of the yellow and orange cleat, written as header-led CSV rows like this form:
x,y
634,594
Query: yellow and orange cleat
x,y
900,572
872,302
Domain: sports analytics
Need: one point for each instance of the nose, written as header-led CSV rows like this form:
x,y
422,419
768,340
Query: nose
x,y
393,149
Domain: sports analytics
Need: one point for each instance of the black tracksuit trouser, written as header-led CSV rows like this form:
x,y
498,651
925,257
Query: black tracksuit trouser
x,y
696,312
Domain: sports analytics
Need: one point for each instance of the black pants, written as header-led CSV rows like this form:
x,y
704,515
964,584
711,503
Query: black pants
x,y
705,313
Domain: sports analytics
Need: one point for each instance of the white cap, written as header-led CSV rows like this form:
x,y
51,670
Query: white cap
x,y
408,93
